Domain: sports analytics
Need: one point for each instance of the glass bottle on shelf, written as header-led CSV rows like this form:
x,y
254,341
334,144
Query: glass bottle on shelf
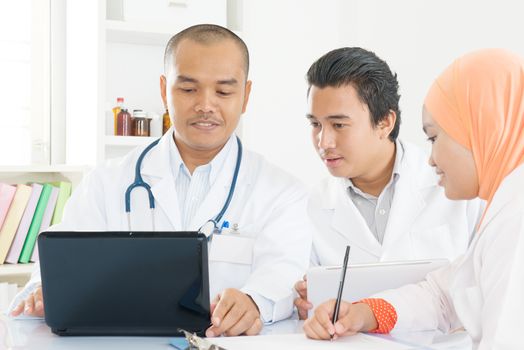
x,y
116,110
141,124
124,123
166,122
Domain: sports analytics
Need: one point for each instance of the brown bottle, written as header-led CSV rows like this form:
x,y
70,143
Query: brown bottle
x,y
166,122
124,123
116,110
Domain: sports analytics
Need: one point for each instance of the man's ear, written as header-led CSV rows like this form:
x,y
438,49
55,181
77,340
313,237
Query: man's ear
x,y
247,92
386,125
163,85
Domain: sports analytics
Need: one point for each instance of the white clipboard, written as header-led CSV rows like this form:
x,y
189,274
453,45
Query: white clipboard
x,y
363,280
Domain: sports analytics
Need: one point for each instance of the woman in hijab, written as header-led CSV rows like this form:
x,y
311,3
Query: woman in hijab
x,y
474,118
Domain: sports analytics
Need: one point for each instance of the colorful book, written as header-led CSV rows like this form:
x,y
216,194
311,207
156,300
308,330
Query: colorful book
x,y
7,193
34,228
13,218
63,195
46,220
25,222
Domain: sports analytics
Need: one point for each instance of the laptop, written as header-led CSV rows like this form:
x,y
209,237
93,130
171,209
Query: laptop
x,y
124,283
363,280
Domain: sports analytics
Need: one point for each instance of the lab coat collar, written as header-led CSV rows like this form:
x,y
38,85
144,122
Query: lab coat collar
x,y
156,170
346,218
157,165
165,158
422,177
408,198
157,162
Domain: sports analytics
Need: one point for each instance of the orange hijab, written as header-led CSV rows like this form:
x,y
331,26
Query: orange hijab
x,y
479,102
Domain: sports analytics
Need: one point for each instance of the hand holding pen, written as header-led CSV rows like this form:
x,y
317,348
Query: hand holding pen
x,y
336,317
336,309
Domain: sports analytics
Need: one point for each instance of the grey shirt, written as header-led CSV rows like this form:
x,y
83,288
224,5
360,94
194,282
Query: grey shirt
x,y
375,210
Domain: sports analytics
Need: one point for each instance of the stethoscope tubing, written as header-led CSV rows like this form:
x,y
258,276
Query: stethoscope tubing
x,y
139,182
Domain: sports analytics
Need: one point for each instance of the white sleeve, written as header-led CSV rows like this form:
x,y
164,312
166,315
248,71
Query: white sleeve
x,y
281,256
265,306
508,335
426,305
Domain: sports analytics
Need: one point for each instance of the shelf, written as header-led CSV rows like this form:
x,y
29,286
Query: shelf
x,y
9,270
139,32
128,141
61,168
43,173
142,33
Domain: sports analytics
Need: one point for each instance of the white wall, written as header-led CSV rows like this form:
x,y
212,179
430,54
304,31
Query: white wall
x,y
284,38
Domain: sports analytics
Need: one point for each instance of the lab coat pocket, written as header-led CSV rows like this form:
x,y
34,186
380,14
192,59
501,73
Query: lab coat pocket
x,y
434,242
232,248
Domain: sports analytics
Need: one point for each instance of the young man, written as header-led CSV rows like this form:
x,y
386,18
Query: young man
x,y
206,90
383,199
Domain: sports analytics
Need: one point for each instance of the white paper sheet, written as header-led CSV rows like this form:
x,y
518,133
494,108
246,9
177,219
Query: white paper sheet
x,y
300,341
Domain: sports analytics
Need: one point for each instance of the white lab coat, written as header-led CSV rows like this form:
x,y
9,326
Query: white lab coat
x,y
268,205
422,222
471,292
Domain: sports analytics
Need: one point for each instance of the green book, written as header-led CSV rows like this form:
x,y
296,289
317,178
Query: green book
x,y
63,195
32,233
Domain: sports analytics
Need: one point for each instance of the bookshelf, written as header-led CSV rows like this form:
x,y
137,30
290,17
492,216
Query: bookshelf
x,y
120,54
20,273
42,173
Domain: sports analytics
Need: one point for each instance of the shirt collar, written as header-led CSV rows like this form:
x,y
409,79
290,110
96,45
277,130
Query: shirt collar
x,y
214,167
399,156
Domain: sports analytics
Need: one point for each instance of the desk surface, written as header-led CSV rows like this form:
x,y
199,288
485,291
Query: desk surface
x,y
34,334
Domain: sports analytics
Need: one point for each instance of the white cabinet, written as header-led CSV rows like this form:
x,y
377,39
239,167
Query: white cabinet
x,y
120,57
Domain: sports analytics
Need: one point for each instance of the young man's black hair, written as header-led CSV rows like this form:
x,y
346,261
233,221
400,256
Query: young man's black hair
x,y
376,85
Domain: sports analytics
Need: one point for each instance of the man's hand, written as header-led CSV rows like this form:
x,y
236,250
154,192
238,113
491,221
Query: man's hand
x,y
352,318
32,306
234,313
301,302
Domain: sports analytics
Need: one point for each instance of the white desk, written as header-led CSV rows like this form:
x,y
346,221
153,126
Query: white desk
x,y
34,334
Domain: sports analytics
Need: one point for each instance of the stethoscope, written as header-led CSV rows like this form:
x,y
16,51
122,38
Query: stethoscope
x,y
210,226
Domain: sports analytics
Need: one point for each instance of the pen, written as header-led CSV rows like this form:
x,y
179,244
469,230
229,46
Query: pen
x,y
341,286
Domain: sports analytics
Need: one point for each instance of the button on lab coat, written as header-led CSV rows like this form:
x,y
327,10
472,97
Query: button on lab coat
x,y
269,206
422,222
471,292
